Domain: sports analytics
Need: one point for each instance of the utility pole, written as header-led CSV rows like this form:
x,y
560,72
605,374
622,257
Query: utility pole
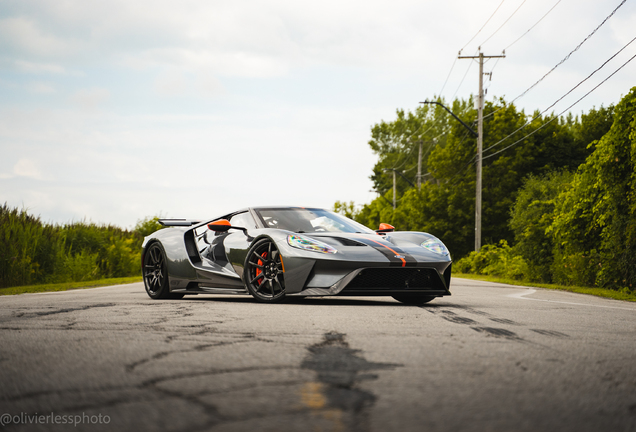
x,y
419,161
419,168
395,181
480,140
394,191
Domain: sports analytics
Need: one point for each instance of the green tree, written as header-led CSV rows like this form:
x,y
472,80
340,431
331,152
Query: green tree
x,y
531,216
514,150
595,223
397,143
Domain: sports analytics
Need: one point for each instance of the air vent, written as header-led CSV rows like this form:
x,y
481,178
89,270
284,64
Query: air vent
x,y
348,242
191,247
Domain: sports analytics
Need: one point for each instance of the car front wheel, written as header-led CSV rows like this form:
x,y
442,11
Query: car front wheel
x,y
263,275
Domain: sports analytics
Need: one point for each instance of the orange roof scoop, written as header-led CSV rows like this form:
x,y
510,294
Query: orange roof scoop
x,y
385,228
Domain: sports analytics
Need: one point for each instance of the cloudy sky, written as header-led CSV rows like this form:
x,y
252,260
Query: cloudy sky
x,y
112,111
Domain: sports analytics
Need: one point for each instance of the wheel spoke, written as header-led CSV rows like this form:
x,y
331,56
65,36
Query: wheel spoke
x,y
269,249
256,265
262,283
271,286
258,276
258,256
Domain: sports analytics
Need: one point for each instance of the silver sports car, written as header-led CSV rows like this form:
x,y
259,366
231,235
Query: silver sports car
x,y
275,253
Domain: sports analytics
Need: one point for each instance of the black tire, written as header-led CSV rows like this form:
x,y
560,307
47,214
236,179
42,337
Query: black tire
x,y
413,299
155,273
263,275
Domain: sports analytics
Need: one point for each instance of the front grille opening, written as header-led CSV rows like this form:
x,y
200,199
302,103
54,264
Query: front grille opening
x,y
396,279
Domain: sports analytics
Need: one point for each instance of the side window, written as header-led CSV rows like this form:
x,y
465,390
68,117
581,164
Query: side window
x,y
243,220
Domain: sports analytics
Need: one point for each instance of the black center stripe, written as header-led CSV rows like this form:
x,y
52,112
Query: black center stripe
x,y
390,251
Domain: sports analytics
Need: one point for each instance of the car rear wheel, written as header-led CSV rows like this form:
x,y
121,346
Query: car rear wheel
x,y
413,299
263,275
156,274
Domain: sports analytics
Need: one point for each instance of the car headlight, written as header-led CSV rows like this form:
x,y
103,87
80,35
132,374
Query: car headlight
x,y
434,245
306,243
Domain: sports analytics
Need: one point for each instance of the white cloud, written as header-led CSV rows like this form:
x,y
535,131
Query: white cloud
x,y
39,87
208,85
171,83
27,168
23,36
90,99
38,68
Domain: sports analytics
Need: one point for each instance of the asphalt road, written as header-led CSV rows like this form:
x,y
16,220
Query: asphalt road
x,y
489,358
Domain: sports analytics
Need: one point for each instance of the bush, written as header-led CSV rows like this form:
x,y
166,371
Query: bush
x,y
79,267
494,260
147,226
578,269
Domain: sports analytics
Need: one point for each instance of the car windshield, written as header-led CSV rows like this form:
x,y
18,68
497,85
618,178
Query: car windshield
x,y
303,220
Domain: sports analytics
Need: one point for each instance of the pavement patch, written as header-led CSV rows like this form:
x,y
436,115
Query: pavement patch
x,y
335,395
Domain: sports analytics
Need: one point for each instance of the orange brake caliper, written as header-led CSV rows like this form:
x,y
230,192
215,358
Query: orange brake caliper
x,y
260,263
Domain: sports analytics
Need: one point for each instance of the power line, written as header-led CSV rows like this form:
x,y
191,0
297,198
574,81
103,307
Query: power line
x,y
435,123
524,34
563,60
482,27
561,98
462,81
460,51
513,14
413,149
562,112
571,52
405,159
448,76
534,25
413,133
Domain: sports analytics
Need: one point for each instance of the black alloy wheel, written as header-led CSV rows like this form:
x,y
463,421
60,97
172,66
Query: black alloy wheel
x,y
413,299
156,274
263,275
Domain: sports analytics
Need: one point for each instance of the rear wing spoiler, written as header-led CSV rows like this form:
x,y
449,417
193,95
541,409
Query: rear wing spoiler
x,y
178,222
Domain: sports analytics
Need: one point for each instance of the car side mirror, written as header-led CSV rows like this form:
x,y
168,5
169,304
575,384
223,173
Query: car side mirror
x,y
385,228
221,225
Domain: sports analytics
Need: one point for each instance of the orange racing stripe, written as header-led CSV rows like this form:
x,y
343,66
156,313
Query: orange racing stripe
x,y
396,254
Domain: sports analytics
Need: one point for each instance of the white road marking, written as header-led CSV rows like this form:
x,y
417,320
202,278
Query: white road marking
x,y
522,295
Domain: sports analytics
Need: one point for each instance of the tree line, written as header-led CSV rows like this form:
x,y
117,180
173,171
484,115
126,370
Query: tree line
x,y
34,252
558,206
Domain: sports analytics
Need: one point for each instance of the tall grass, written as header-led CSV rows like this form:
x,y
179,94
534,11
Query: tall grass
x,y
33,252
